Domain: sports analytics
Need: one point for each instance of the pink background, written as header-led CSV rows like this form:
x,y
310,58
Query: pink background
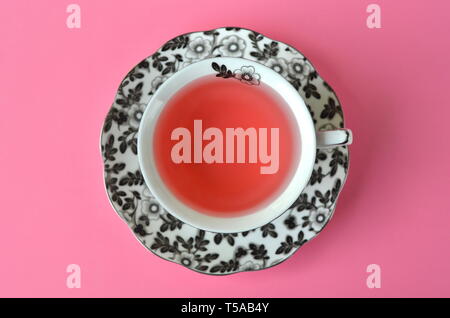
x,y
57,85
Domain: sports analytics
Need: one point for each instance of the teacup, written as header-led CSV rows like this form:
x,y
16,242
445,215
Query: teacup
x,y
172,158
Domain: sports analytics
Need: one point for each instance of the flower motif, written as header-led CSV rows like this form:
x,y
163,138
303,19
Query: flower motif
x,y
157,81
299,68
135,115
249,266
198,48
187,259
317,218
151,209
247,75
232,46
279,65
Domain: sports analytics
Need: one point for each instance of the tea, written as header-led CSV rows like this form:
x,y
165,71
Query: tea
x,y
224,147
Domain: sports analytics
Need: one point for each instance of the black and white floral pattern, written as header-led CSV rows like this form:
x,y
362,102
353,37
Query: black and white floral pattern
x,y
246,74
299,68
198,48
232,46
166,236
279,65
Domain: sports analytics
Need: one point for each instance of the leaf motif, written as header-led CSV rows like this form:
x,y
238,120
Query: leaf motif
x,y
223,267
123,146
218,238
139,86
202,268
311,90
176,43
230,240
258,55
280,249
215,66
210,257
335,190
134,146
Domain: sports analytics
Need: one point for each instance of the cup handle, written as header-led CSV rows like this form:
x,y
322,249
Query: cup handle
x,y
333,138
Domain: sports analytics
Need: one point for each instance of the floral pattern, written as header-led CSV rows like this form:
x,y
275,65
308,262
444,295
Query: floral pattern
x,y
246,74
232,46
299,68
135,114
279,65
156,83
166,236
198,48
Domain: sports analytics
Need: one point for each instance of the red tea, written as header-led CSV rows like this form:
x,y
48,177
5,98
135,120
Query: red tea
x,y
224,147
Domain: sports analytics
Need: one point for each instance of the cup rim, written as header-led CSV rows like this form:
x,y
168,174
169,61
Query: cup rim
x,y
240,223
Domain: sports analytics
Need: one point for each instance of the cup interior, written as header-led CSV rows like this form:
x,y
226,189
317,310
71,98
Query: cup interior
x,y
240,223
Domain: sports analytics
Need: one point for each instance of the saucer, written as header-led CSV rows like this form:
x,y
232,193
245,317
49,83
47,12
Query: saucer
x,y
199,250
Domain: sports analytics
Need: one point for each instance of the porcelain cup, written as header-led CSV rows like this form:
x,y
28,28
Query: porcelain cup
x,y
245,70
